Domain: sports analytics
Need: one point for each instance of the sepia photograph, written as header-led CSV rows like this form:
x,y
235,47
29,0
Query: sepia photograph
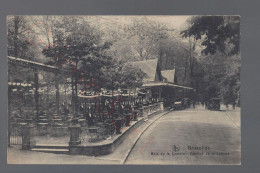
x,y
124,90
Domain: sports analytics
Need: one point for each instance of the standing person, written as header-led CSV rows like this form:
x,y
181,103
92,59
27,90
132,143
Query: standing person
x,y
66,111
203,101
188,103
182,104
226,105
193,102
90,116
234,104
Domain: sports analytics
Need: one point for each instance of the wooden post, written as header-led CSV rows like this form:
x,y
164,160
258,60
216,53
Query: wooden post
x,y
57,96
9,114
48,92
174,94
76,90
76,97
36,93
72,96
160,92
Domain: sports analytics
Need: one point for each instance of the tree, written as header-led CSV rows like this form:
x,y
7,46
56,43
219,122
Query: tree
x,y
18,43
220,54
230,83
216,32
77,49
222,76
145,37
121,74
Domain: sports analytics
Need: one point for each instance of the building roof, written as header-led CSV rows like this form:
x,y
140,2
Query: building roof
x,y
169,75
148,67
31,63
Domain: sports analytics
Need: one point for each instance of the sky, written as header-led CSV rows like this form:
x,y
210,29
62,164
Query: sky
x,y
173,22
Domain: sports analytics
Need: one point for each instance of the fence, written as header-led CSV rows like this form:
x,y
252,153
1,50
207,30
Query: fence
x,y
15,134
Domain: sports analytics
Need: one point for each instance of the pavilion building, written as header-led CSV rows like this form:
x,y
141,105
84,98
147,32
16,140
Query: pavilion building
x,y
161,84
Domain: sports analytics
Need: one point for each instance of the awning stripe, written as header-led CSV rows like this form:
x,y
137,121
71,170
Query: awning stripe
x,y
19,84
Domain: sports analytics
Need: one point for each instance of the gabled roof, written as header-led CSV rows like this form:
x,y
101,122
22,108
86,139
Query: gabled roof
x,y
169,75
149,67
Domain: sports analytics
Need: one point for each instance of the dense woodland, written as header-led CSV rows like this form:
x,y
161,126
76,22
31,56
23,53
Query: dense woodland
x,y
205,52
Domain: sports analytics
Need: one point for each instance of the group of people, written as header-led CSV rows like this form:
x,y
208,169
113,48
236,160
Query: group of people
x,y
107,108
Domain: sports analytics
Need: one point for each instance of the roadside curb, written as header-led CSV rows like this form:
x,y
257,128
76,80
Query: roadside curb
x,y
104,149
130,150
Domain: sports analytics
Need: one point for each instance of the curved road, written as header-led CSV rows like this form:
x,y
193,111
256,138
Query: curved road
x,y
193,136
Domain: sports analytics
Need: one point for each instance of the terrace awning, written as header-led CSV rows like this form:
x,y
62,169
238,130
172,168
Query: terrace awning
x,y
155,84
32,64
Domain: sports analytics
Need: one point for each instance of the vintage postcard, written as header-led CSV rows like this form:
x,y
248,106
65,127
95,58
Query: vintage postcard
x,y
134,90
